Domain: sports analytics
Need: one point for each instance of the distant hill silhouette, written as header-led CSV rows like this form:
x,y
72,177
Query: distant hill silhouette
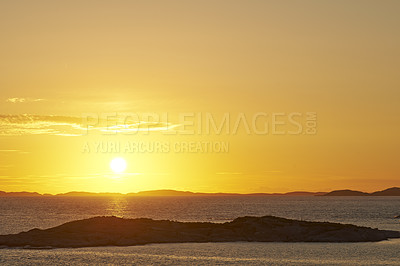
x,y
346,192
87,194
166,192
153,193
188,193
304,193
394,191
19,194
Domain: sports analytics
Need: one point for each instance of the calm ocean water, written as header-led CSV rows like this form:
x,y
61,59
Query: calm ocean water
x,y
20,214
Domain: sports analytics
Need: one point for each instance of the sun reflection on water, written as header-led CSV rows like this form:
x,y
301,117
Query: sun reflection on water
x,y
117,206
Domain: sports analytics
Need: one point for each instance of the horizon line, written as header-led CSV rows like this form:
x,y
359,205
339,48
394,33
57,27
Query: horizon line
x,y
173,192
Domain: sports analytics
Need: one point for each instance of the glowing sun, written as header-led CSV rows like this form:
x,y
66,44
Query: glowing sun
x,y
118,165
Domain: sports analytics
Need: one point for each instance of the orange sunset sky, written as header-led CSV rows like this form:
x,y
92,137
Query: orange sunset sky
x,y
61,60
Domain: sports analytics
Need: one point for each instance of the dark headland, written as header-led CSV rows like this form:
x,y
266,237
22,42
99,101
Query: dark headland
x,y
114,231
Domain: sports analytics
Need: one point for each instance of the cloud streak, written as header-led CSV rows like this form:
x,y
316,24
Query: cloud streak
x,y
27,124
13,151
23,100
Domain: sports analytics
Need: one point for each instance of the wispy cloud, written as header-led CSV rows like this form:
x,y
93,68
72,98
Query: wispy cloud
x,y
252,173
13,151
140,126
23,100
27,124
229,173
11,125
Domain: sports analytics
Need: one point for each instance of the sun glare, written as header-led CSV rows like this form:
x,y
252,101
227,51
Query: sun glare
x,y
118,165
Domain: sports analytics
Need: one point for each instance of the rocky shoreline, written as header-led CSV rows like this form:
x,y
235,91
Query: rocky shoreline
x,y
114,231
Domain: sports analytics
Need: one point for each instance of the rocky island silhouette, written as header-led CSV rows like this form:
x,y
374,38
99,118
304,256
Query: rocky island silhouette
x,y
114,231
